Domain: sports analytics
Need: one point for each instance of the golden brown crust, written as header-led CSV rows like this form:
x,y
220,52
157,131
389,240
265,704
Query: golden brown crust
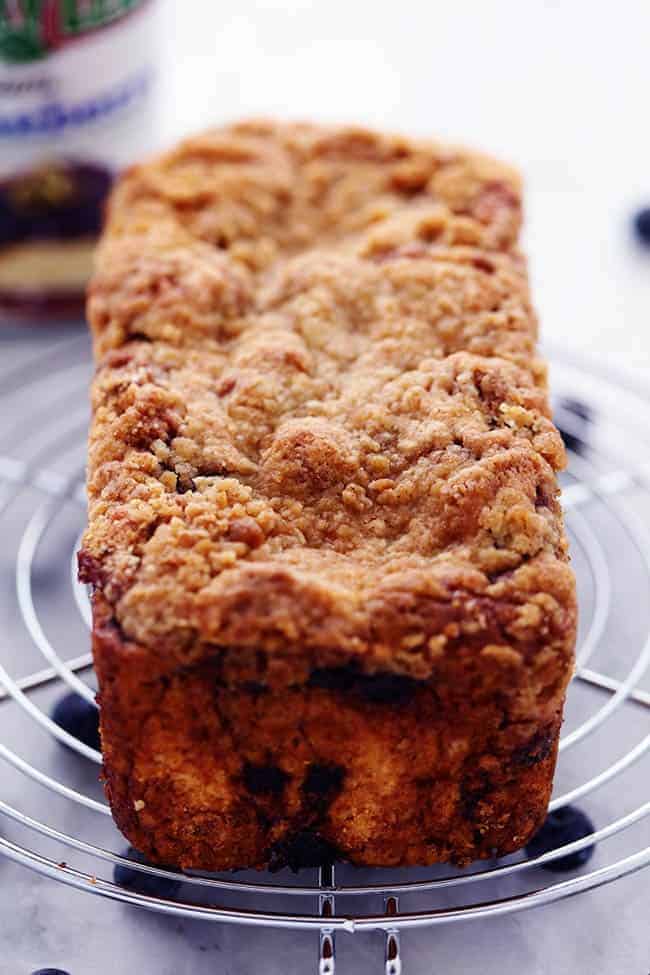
x,y
321,440
209,769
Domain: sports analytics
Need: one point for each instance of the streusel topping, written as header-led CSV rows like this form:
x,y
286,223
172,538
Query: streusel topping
x,y
319,422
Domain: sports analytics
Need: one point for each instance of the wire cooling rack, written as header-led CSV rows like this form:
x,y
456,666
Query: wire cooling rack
x,y
43,641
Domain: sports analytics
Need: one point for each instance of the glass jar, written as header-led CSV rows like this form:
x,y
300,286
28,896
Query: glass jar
x,y
77,103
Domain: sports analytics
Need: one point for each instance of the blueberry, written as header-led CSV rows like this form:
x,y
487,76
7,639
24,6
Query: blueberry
x,y
50,971
264,779
144,883
379,688
323,780
387,688
563,826
302,850
79,718
642,226
333,678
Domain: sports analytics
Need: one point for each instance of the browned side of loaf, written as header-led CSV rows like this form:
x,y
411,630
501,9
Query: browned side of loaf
x,y
206,772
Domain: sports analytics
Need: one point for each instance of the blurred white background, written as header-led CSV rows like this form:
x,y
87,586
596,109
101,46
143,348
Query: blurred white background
x,y
559,88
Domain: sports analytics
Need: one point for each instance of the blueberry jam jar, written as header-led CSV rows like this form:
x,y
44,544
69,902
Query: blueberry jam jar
x,y
77,103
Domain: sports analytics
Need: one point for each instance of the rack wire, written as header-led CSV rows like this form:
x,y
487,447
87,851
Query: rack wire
x,y
607,503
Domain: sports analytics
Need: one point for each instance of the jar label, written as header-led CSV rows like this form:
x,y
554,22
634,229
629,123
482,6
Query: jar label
x,y
74,75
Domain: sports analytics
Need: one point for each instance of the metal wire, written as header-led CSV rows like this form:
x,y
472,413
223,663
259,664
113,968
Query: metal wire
x,y
24,561
603,478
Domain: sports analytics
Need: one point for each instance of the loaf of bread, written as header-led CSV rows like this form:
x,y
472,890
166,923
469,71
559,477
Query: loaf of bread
x,y
333,613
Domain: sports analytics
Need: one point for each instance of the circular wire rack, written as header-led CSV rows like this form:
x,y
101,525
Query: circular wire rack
x,y
606,497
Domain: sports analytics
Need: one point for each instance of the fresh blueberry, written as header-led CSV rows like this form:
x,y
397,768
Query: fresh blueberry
x,y
565,825
50,971
144,883
642,226
79,718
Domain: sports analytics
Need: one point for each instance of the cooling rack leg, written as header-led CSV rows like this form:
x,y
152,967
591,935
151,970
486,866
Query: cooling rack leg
x,y
326,960
326,947
393,957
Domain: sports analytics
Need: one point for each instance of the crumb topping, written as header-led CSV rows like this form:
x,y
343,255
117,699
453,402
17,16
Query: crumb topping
x,y
319,421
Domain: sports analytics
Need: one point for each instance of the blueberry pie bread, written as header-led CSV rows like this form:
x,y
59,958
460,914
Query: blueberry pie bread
x,y
333,612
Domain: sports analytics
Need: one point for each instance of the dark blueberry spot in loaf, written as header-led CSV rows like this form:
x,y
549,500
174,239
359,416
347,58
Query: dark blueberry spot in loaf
x,y
378,688
265,822
387,688
642,226
565,825
472,791
539,747
323,780
478,838
301,851
79,718
144,883
470,799
264,779
333,678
